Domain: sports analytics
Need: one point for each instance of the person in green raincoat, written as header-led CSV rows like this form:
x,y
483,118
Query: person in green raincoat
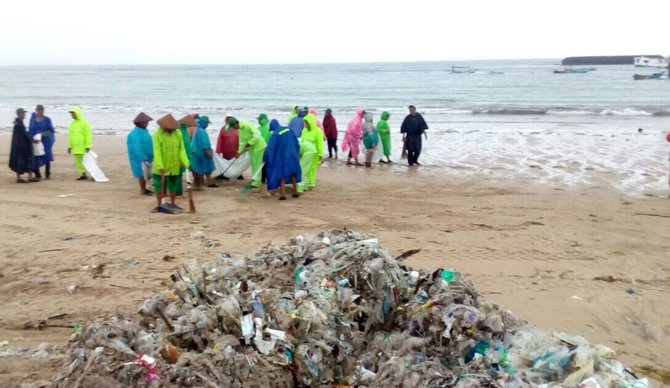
x,y
169,158
264,129
384,131
306,154
79,140
312,134
185,123
251,139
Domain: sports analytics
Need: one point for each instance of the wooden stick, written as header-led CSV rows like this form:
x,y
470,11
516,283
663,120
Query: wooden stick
x,y
164,318
52,250
191,204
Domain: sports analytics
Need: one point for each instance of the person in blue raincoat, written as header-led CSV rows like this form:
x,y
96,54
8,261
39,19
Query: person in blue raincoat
x,y
203,155
282,161
297,123
140,150
41,124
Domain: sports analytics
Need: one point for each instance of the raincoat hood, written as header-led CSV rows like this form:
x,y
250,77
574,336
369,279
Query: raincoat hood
x,y
313,111
359,112
77,112
311,119
301,113
368,117
385,115
274,125
263,119
203,122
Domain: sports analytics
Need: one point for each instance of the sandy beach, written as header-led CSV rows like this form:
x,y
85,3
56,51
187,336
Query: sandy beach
x,y
584,260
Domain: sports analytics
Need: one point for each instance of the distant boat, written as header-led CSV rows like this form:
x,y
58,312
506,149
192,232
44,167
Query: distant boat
x,y
496,72
574,70
461,70
650,62
639,77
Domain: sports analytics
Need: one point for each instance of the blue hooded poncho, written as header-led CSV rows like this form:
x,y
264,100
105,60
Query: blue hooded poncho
x,y
46,128
281,156
140,149
298,123
200,162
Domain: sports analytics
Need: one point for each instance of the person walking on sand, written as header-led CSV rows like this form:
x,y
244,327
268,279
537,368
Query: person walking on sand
x,y
384,131
353,136
21,159
412,128
330,130
203,155
169,158
140,150
41,125
312,134
79,140
252,141
282,160
370,138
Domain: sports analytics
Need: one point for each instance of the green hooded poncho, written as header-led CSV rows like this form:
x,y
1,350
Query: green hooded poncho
x,y
314,136
79,133
384,131
264,127
251,137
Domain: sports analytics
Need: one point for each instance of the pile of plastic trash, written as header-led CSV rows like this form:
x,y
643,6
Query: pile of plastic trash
x,y
332,309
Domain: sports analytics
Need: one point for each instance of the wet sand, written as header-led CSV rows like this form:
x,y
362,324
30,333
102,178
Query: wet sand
x,y
536,251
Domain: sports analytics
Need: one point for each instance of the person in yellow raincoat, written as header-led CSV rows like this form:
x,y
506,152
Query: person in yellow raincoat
x,y
79,140
169,158
312,134
252,140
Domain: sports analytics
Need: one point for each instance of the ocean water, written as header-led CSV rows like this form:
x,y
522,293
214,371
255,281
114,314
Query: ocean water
x,y
509,120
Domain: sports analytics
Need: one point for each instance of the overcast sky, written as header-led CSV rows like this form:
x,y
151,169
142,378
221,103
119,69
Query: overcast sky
x,y
43,32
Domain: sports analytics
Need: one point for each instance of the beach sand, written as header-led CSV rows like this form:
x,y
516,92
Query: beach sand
x,y
534,250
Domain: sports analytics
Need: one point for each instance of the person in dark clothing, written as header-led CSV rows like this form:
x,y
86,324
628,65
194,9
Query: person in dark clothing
x,y
412,128
330,129
21,158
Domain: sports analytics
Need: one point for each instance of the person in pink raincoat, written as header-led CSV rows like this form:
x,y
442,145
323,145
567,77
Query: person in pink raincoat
x,y
353,136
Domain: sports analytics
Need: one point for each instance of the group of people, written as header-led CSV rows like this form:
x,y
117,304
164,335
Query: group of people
x,y
32,147
279,155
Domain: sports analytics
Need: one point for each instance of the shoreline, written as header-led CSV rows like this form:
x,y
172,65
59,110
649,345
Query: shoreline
x,y
535,250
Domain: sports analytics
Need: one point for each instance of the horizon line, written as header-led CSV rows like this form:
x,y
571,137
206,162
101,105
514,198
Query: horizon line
x,y
281,63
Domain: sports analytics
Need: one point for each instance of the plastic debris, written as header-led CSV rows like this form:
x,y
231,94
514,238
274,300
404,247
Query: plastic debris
x,y
333,309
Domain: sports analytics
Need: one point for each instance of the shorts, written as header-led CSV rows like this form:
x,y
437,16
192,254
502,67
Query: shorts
x,y
170,183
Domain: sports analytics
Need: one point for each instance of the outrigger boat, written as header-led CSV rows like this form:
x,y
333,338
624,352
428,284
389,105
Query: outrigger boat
x,y
638,77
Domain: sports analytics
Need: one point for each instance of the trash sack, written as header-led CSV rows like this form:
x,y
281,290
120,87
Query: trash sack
x,y
90,162
147,171
231,168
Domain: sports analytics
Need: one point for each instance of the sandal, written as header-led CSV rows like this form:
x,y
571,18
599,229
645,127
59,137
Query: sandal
x,y
34,180
282,198
20,180
295,195
82,178
213,185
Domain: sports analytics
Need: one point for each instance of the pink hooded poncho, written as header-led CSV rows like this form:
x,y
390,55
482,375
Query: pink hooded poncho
x,y
354,134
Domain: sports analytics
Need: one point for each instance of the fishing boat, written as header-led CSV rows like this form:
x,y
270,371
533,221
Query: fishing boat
x,y
574,70
639,77
461,70
651,61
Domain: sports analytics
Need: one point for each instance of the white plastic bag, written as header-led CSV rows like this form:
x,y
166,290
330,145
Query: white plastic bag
x,y
90,162
231,168
38,148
